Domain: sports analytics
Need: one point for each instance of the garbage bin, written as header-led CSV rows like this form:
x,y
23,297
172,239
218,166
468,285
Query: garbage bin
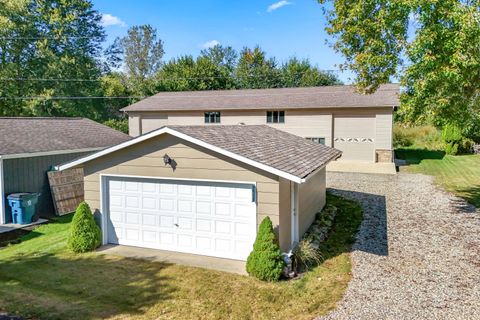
x,y
23,206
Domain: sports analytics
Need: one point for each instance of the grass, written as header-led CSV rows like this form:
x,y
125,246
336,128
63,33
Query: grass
x,y
41,279
457,174
423,154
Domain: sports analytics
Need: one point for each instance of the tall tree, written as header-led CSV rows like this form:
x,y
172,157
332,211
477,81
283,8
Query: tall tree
x,y
300,73
225,57
432,46
254,70
186,73
45,42
140,52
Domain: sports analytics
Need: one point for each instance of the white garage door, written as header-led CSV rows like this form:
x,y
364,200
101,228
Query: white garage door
x,y
354,135
214,219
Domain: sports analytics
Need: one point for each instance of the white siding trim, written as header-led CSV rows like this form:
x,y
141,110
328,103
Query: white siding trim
x,y
47,153
3,218
294,237
185,137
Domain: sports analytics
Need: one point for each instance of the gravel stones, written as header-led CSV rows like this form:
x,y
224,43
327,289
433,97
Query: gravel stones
x,y
417,254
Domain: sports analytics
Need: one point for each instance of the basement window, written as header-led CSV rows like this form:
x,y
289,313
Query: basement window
x,y
212,117
317,140
275,116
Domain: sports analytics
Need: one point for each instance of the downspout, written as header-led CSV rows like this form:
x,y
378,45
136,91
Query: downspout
x,y
2,194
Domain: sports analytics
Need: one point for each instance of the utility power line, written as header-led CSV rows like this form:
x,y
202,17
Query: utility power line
x,y
158,79
48,38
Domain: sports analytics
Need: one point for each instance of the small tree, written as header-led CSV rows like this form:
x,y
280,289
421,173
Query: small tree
x,y
265,261
85,235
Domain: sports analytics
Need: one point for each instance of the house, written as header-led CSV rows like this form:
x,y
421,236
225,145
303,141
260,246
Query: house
x,y
358,125
205,189
29,147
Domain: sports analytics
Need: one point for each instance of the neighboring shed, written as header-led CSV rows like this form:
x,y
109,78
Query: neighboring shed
x,y
204,190
29,147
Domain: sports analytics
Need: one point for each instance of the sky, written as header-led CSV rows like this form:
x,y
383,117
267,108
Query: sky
x,y
282,28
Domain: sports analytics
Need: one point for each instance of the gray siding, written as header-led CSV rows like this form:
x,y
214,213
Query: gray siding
x,y
30,175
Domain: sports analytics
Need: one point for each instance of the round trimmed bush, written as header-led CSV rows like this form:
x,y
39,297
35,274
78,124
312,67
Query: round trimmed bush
x,y
265,262
85,235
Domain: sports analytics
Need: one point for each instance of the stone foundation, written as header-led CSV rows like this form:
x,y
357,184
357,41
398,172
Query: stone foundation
x,y
384,155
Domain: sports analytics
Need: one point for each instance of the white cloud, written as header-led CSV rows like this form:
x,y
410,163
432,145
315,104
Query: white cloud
x,y
110,20
210,44
278,5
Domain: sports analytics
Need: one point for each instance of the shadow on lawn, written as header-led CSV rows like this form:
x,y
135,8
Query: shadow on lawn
x,y
372,235
415,156
86,286
470,194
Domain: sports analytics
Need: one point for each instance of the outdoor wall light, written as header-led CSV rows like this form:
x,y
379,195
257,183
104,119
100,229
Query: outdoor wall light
x,y
167,159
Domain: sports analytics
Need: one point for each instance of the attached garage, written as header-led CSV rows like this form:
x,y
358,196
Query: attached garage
x,y
204,190
354,135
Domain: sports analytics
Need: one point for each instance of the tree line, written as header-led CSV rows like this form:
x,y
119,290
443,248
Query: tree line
x,y
53,64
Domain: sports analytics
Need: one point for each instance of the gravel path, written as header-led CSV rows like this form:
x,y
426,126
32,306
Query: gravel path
x,y
417,254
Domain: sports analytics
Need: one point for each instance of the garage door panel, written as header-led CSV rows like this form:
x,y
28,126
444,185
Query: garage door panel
x,y
216,219
354,135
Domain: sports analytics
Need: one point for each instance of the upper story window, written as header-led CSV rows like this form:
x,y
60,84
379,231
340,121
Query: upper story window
x,y
317,140
212,117
275,116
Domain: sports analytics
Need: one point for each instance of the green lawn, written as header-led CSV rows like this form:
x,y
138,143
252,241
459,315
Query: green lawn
x,y
458,174
41,279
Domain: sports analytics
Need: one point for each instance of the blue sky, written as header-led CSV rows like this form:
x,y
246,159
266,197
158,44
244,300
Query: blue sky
x,y
282,28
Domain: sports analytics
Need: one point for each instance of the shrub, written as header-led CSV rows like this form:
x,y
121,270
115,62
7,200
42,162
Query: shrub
x,y
305,255
85,235
402,137
265,262
451,148
455,142
118,124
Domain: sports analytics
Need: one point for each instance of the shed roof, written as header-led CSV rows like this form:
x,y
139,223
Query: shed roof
x,y
344,96
261,146
36,135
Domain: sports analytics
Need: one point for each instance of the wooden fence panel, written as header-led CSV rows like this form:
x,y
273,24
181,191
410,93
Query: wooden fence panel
x,y
67,189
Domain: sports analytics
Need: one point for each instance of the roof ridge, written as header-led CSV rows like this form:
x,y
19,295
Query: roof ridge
x,y
44,118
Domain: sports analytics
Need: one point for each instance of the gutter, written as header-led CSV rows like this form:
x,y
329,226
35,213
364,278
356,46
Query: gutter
x,y
47,153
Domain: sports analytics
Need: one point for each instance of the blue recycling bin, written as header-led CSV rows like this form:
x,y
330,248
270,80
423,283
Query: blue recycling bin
x,y
23,206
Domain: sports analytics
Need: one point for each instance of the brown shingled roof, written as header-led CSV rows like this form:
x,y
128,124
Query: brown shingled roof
x,y
343,96
31,135
275,148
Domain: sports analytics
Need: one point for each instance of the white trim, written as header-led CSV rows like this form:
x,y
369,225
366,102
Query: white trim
x,y
3,218
294,233
185,137
47,153
174,178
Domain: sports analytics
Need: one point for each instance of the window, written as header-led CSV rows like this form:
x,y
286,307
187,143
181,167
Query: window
x,y
317,140
275,116
212,117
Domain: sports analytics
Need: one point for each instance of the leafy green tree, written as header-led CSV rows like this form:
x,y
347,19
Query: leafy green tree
x,y
186,73
300,73
85,235
53,40
255,71
224,57
265,261
431,46
140,52
42,40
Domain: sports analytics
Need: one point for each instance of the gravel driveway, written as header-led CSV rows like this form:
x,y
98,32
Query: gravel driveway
x,y
417,254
